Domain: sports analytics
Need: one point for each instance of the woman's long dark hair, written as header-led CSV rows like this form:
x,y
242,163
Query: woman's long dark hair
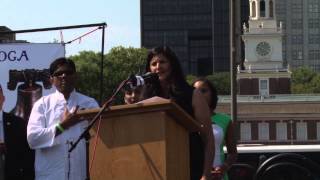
x,y
177,77
180,91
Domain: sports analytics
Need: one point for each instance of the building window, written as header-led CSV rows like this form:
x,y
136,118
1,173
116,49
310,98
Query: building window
x,y
313,23
300,55
302,134
297,23
245,131
271,8
314,39
264,87
317,67
297,55
314,54
254,14
262,8
313,8
263,131
281,131
296,8
297,39
204,65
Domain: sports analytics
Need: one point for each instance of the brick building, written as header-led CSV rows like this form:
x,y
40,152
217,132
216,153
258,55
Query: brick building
x,y
286,119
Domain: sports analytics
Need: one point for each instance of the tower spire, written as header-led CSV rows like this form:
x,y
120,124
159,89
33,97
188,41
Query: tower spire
x,y
262,9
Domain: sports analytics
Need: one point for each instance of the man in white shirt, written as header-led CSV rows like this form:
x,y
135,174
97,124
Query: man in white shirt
x,y
53,125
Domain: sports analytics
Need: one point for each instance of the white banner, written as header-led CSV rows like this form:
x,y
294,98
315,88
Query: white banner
x,y
22,56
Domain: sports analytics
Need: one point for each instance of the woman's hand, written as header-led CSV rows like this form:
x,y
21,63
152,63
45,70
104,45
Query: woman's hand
x,y
205,178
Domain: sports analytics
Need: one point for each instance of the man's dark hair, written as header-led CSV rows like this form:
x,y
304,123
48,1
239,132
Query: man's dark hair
x,y
60,62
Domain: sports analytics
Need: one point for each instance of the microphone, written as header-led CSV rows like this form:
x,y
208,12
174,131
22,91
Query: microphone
x,y
135,81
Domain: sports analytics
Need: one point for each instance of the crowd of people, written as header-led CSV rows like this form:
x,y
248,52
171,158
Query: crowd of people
x,y
53,122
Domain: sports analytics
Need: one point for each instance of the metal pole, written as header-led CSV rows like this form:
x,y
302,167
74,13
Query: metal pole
x,y
101,68
233,4
212,26
53,28
238,33
101,25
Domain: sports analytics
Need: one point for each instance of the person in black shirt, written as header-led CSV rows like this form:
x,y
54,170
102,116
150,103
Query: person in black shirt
x,y
19,158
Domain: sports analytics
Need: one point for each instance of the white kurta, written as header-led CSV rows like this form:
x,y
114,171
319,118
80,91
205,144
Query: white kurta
x,y
51,158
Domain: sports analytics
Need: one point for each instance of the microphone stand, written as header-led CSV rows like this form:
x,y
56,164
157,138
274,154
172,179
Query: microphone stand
x,y
105,106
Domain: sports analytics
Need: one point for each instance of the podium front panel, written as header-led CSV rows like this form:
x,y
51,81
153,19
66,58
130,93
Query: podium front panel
x,y
140,146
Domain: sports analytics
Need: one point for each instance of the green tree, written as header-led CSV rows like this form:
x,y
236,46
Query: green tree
x,y
119,63
190,78
221,81
302,80
315,83
88,65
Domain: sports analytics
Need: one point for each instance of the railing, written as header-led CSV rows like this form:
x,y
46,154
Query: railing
x,y
260,162
272,98
262,30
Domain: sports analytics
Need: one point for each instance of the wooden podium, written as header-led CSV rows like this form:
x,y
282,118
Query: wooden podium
x,y
146,141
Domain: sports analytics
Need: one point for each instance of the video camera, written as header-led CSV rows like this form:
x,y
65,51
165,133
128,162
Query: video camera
x,y
29,76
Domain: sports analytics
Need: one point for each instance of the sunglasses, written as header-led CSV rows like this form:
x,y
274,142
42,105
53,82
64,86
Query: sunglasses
x,y
60,73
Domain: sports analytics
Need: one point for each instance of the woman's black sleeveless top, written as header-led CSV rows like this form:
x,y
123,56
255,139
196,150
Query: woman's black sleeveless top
x,y
196,147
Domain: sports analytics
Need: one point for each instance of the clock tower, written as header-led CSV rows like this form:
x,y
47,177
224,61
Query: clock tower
x,y
264,72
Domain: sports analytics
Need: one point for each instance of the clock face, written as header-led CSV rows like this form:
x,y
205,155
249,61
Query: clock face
x,y
263,48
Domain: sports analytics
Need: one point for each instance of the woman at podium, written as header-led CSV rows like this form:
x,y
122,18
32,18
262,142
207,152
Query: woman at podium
x,y
172,85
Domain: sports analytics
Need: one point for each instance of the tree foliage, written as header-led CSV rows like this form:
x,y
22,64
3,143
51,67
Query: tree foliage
x,y
302,75
304,81
88,65
221,80
122,62
191,78
118,64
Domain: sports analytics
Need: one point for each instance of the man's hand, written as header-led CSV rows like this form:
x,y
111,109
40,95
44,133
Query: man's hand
x,y
206,178
203,178
69,118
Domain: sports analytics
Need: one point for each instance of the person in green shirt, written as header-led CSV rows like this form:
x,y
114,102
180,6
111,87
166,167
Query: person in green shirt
x,y
223,130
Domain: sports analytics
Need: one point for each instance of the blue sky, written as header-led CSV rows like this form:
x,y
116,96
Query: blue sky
x,y
122,17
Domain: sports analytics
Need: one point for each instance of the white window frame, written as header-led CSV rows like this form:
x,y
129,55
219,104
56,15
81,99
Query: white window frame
x,y
263,92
